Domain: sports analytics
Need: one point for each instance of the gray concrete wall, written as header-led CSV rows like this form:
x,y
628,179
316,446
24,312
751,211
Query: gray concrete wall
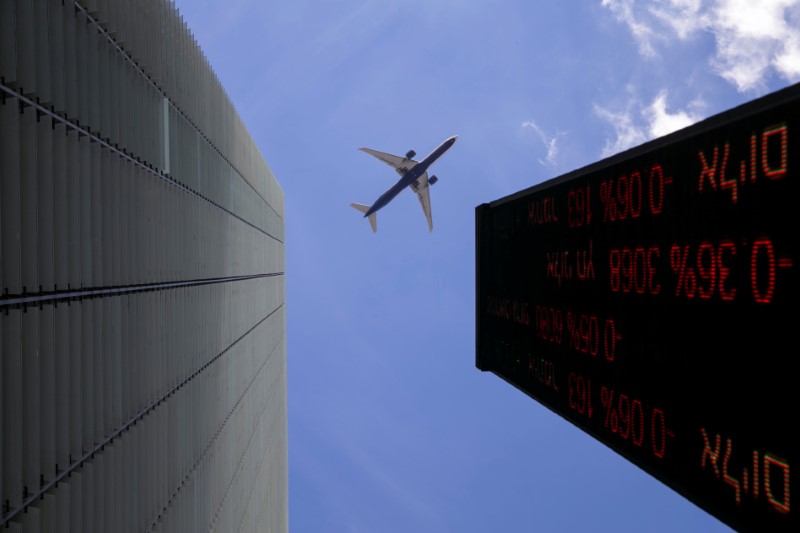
x,y
142,303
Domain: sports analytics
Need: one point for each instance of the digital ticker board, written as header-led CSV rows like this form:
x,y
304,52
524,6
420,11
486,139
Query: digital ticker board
x,y
651,299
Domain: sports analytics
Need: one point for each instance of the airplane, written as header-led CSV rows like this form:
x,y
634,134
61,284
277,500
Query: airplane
x,y
412,173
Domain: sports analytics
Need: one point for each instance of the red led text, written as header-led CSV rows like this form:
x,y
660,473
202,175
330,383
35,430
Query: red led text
x,y
633,270
703,270
716,174
766,476
542,212
627,196
627,417
590,335
549,324
764,265
635,422
579,207
508,309
567,264
543,371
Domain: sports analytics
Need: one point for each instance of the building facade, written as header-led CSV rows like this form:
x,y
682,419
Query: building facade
x,y
142,312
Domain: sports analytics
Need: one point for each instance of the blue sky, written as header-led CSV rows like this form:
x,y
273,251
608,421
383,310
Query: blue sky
x,y
391,426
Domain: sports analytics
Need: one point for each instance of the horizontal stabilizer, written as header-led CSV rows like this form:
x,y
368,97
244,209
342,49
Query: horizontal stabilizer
x,y
373,218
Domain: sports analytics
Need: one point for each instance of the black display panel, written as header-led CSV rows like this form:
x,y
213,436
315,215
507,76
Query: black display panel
x,y
651,300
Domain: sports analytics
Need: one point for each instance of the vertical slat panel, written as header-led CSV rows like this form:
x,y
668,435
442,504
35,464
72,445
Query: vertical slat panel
x,y
71,70
44,171
104,87
88,383
31,521
93,77
64,508
88,497
82,68
60,224
8,42
31,401
106,360
117,387
85,209
42,46
104,182
115,176
96,375
29,201
74,190
62,382
125,200
96,214
77,501
55,36
114,76
26,47
48,506
47,388
77,388
126,368
12,408
10,198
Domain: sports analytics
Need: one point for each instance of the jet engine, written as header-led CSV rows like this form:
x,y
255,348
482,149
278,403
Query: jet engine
x,y
432,180
410,154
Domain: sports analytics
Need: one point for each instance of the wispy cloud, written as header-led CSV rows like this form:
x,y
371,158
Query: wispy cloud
x,y
550,143
642,30
754,38
638,123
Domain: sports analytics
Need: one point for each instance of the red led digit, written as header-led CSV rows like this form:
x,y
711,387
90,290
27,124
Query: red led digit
x,y
783,466
755,473
624,416
651,270
635,194
762,295
656,189
659,444
726,477
640,272
706,270
622,197
627,267
610,340
726,249
708,171
780,171
613,263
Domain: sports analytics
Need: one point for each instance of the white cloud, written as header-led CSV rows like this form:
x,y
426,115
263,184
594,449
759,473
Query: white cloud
x,y
642,32
550,143
639,123
627,132
754,38
661,122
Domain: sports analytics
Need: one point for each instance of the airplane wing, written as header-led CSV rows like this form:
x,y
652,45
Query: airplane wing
x,y
400,164
423,191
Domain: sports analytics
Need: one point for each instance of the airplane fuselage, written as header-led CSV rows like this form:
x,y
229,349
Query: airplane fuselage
x,y
411,176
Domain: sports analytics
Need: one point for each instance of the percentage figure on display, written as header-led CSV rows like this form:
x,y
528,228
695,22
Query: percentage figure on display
x,y
687,281
628,418
607,401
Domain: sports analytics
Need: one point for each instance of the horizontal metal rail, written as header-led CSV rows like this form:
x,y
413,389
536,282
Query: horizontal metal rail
x,y
69,295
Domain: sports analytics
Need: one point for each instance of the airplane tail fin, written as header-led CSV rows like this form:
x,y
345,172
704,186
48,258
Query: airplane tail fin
x,y
373,218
